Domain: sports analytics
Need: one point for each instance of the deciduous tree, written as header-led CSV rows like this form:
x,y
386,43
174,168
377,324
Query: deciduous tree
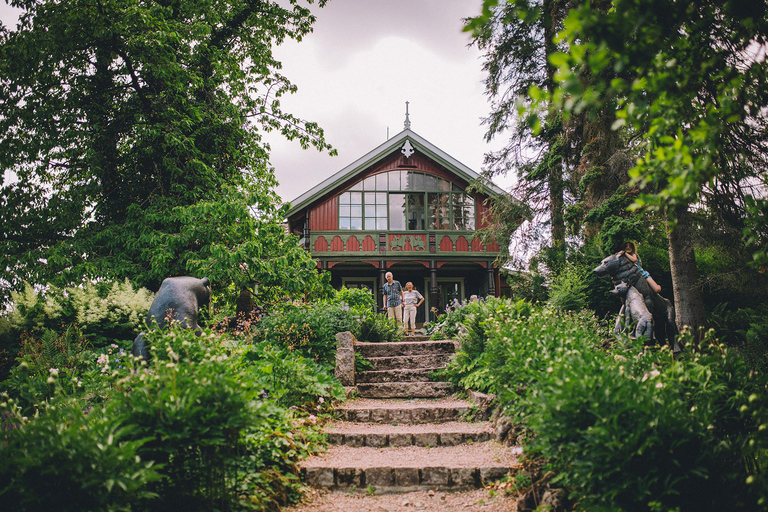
x,y
133,130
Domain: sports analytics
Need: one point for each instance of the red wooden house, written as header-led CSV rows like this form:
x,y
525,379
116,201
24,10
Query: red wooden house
x,y
403,207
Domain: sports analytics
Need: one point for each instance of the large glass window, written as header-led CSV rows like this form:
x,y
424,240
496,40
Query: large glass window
x,y
463,211
397,212
406,200
415,212
439,210
351,210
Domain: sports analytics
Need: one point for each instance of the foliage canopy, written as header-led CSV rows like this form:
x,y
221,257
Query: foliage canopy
x,y
134,133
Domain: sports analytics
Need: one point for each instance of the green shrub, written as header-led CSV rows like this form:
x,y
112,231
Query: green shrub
x,y
359,300
288,378
311,330
211,407
626,427
67,460
467,368
568,289
374,327
105,311
448,324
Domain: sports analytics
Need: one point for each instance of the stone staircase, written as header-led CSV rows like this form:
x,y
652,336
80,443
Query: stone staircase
x,y
405,432
402,369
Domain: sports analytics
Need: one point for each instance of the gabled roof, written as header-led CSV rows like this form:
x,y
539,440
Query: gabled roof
x,y
361,164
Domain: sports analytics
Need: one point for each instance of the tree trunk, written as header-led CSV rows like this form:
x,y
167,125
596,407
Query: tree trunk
x,y
555,172
689,301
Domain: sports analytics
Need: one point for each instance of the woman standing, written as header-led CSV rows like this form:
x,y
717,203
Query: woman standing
x,y
412,299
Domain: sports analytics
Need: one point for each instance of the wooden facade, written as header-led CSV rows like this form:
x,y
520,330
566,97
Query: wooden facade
x,y
404,208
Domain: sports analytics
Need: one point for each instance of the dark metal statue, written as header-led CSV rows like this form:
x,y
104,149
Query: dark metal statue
x,y
178,299
630,285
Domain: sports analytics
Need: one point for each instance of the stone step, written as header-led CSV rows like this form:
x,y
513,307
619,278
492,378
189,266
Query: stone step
x,y
404,411
409,362
418,375
409,468
405,390
404,348
418,337
387,435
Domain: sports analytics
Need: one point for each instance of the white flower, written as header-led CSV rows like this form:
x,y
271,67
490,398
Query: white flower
x,y
312,418
50,380
103,359
321,400
659,385
54,372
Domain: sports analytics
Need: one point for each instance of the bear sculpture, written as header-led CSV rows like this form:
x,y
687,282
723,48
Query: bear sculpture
x,y
178,300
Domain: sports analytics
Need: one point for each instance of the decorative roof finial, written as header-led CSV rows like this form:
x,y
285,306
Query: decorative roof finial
x,y
407,122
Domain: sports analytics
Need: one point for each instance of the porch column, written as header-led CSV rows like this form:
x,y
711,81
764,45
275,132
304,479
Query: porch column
x,y
491,280
382,280
307,234
433,289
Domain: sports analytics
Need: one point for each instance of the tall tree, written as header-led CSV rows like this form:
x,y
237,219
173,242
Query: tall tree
x,y
133,129
690,85
516,39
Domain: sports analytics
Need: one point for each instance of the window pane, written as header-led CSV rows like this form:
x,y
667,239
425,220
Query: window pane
x,y
456,188
463,211
357,186
381,210
356,211
343,211
370,223
344,223
370,210
418,181
356,224
344,198
394,180
370,198
438,211
397,212
416,212
430,183
381,223
369,183
381,181
444,185
381,198
356,197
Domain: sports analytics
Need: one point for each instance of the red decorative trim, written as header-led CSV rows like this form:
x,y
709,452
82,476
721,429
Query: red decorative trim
x,y
336,244
321,244
332,264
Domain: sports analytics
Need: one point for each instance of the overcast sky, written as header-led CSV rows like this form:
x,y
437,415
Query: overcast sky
x,y
355,72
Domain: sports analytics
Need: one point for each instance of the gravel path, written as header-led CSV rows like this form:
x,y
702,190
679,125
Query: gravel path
x,y
488,454
427,501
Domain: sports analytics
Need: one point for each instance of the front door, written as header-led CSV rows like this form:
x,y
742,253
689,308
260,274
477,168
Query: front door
x,y
448,290
450,293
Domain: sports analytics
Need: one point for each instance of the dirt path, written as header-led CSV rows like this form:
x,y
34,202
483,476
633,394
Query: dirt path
x,y
483,500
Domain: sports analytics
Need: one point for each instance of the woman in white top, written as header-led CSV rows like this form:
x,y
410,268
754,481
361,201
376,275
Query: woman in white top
x,y
412,299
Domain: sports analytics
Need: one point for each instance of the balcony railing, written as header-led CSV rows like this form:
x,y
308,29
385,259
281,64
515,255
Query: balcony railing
x,y
393,243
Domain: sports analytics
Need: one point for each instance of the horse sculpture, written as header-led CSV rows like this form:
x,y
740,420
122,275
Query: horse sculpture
x,y
628,284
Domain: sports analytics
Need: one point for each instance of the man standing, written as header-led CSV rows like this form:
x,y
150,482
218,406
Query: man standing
x,y
393,298
412,299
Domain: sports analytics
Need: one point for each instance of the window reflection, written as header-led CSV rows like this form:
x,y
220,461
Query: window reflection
x,y
380,202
